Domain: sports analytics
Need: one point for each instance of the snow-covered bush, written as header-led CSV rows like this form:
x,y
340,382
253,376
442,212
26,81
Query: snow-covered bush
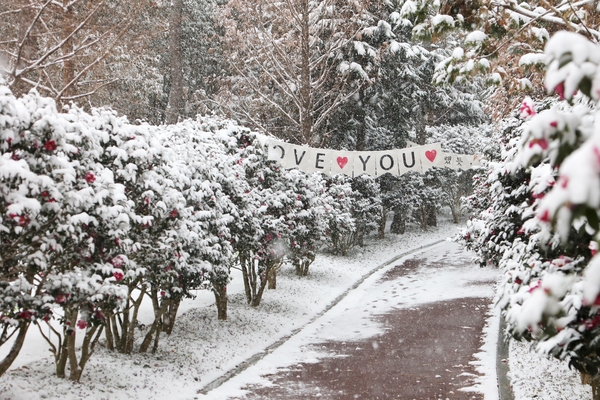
x,y
341,226
551,286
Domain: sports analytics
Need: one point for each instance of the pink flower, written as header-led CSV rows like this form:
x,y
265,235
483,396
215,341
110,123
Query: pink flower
x,y
24,220
593,248
89,177
99,315
543,143
174,214
118,275
527,108
82,324
60,298
544,216
560,90
162,293
117,262
554,124
535,286
50,145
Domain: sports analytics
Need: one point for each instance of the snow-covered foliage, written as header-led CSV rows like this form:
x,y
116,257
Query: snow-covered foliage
x,y
542,224
97,213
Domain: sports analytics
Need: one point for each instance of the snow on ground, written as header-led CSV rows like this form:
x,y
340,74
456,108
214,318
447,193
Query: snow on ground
x,y
202,348
534,376
351,320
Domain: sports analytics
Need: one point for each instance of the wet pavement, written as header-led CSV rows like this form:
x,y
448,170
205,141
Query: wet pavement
x,y
410,334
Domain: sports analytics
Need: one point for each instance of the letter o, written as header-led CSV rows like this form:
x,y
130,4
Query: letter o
x,y
391,162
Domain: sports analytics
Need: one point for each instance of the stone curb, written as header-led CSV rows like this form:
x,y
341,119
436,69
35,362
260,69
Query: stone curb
x,y
258,356
502,368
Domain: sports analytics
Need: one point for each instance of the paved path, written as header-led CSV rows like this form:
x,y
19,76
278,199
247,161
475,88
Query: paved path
x,y
409,332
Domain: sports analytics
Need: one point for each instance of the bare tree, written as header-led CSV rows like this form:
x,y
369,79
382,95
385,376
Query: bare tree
x,y
62,47
290,62
176,96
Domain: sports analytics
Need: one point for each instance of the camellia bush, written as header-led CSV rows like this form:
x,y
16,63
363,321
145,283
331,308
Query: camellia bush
x,y
98,215
542,225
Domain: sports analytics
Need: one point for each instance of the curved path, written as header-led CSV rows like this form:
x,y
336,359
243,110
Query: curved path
x,y
410,331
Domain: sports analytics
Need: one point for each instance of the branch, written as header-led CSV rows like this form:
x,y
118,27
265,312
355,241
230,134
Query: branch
x,y
36,64
107,52
26,35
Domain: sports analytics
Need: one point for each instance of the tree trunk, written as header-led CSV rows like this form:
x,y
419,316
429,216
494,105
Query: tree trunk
x,y
398,223
431,216
594,382
359,115
272,279
221,301
306,100
176,103
156,327
16,347
68,72
382,224
170,316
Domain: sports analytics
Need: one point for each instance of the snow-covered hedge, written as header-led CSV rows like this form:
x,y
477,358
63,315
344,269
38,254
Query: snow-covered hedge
x,y
97,214
542,224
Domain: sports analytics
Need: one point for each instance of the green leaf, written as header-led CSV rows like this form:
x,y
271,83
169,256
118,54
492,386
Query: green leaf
x,y
592,217
586,86
564,59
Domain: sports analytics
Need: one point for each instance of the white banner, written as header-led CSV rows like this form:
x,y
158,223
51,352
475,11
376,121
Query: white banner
x,y
373,163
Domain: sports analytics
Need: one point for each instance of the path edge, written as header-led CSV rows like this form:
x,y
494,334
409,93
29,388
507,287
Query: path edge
x,y
502,366
258,356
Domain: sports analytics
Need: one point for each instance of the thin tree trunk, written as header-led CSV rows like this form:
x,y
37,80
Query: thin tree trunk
x,y
594,382
382,224
68,72
16,347
220,293
272,279
306,112
398,223
156,325
176,96
171,316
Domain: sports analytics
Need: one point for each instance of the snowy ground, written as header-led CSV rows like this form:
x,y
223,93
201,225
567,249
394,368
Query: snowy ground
x,y
536,377
202,348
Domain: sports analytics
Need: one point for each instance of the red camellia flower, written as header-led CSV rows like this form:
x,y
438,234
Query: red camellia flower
x,y
99,315
25,314
50,145
89,177
174,214
24,220
527,109
543,143
61,298
560,90
118,275
545,216
82,324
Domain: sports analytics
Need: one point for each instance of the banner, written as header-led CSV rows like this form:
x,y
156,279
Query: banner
x,y
373,163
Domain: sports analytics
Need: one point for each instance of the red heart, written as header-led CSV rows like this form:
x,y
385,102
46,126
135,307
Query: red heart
x,y
342,161
431,155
